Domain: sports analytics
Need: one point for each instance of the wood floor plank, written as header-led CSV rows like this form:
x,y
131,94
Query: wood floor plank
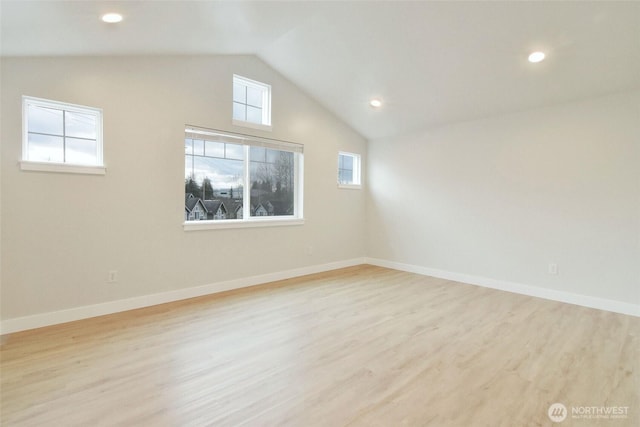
x,y
362,346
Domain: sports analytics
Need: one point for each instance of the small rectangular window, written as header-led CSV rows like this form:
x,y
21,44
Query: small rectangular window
x,y
348,170
251,103
66,137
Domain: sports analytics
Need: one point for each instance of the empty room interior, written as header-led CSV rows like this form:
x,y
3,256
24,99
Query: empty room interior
x,y
395,213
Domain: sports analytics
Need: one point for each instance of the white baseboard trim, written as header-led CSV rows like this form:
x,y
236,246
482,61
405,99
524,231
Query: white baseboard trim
x,y
78,313
518,288
84,312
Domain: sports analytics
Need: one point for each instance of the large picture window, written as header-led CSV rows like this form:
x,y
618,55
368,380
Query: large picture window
x,y
233,179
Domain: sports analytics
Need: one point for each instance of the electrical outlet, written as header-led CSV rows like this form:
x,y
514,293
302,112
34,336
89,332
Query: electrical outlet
x,y
553,268
309,250
113,276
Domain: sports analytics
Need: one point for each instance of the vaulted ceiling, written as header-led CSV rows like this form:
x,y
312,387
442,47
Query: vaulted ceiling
x,y
431,63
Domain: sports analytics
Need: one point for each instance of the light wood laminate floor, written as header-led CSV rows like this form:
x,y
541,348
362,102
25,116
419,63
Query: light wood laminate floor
x,y
363,346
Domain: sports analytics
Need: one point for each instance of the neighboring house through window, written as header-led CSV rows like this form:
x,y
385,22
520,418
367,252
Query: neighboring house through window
x,y
58,136
194,208
348,170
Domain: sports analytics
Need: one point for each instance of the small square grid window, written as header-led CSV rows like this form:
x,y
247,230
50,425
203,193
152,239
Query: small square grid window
x,y
251,101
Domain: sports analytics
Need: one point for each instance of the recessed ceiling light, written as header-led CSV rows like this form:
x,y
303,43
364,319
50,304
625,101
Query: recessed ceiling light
x,y
375,103
112,18
536,57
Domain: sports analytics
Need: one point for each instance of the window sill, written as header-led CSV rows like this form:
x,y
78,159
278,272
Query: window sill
x,y
350,186
234,223
244,124
27,165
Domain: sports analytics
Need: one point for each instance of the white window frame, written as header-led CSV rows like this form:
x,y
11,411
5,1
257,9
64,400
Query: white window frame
x,y
356,183
248,221
266,103
64,167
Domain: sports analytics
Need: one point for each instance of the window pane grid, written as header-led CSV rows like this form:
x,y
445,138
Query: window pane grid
x,y
228,150
76,128
251,101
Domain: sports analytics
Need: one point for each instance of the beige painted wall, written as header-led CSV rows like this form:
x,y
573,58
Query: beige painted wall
x,y
501,198
62,233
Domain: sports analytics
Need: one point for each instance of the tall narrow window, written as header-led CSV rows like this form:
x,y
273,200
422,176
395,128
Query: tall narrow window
x,y
251,102
348,170
238,178
61,134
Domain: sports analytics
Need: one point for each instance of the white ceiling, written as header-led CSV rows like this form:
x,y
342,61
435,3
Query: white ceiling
x,y
432,63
